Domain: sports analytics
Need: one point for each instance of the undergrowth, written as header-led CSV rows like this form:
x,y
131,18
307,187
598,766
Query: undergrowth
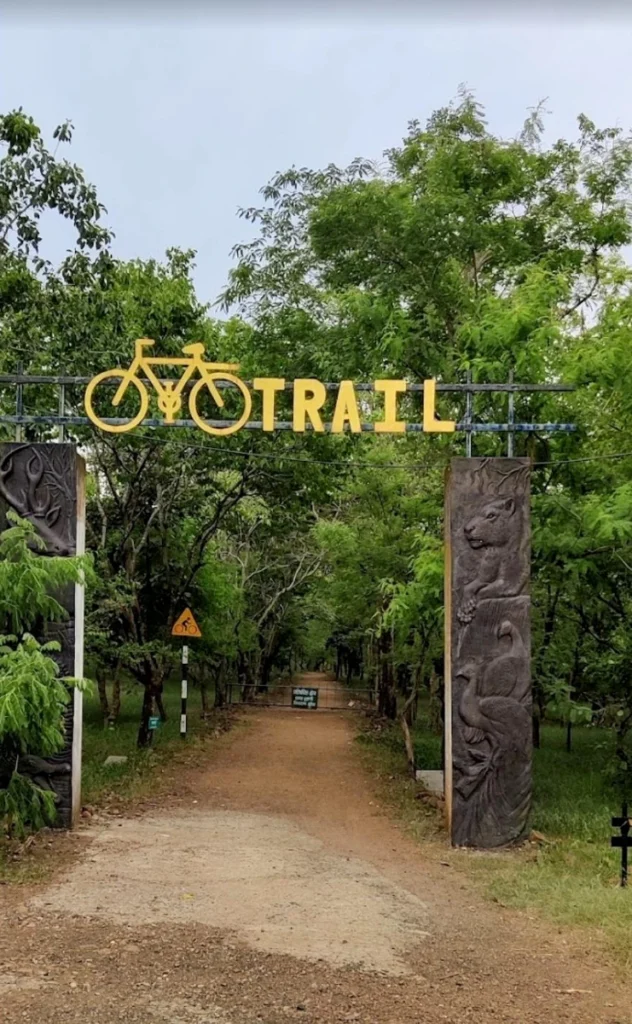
x,y
134,778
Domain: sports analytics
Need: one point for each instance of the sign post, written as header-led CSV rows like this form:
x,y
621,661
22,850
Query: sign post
x,y
183,692
185,626
624,841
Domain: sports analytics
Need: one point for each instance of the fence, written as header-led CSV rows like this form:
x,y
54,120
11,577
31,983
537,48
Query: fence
x,y
331,696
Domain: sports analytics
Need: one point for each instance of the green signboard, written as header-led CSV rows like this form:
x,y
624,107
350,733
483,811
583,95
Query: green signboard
x,y
154,722
304,697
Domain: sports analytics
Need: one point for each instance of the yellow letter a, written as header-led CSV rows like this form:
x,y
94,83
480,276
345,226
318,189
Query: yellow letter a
x,y
346,410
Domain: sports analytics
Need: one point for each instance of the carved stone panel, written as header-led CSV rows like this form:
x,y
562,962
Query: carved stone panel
x,y
488,734
40,483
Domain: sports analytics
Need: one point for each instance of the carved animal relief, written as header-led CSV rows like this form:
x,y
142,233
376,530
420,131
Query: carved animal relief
x,y
489,533
39,482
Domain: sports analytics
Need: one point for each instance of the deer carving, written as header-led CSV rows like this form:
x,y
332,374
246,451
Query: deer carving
x,y
35,500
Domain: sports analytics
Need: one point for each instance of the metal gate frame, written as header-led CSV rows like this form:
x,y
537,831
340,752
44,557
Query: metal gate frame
x,y
361,698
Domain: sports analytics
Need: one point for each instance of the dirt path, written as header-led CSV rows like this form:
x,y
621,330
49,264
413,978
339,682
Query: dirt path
x,y
276,889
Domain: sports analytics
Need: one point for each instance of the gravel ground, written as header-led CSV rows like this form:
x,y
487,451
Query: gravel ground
x,y
271,886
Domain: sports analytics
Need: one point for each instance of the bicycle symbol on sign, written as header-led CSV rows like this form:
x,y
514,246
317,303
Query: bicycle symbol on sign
x,y
169,392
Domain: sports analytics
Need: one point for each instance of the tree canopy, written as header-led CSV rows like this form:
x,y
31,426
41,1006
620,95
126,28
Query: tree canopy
x,y
456,253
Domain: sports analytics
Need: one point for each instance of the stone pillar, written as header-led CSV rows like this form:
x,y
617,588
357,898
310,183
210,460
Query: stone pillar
x,y
45,483
488,739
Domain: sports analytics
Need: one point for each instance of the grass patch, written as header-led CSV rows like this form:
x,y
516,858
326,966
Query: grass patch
x,y
572,878
381,749
17,868
134,778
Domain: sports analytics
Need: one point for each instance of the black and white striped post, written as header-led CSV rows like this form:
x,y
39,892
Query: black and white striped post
x,y
184,691
185,627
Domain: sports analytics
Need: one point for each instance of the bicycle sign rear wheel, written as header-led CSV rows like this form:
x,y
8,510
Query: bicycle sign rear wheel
x,y
207,382
105,404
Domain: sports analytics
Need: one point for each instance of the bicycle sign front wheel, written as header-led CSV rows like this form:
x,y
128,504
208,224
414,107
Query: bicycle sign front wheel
x,y
198,394
105,405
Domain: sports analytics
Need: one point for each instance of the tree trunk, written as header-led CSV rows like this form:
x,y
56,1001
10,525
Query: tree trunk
x,y
536,730
412,708
435,703
221,675
265,670
387,698
246,679
144,732
103,696
403,719
403,677
538,666
621,753
160,705
204,696
115,706
375,670
241,675
220,693
574,680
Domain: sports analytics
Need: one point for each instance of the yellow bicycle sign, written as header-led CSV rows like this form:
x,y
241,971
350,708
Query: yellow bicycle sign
x,y
169,391
130,389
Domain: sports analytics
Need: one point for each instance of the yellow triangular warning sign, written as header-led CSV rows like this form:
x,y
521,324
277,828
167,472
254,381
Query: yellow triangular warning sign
x,y
185,625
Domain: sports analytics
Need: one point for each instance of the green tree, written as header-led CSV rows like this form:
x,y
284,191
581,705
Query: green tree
x,y
32,695
34,181
461,253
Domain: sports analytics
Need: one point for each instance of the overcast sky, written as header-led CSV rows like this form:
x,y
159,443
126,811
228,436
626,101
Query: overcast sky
x,y
180,123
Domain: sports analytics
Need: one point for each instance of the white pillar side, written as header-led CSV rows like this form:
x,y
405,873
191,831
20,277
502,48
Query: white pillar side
x,y
77,726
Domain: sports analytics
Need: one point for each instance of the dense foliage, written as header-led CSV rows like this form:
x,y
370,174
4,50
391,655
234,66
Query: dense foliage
x,y
458,253
32,696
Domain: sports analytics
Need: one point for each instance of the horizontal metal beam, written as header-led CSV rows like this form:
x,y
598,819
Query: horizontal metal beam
x,y
21,379
474,388
411,428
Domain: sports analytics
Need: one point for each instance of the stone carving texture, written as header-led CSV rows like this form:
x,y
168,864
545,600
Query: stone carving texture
x,y
489,532
39,482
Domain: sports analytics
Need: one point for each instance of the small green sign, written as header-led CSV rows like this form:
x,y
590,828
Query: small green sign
x,y
154,722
